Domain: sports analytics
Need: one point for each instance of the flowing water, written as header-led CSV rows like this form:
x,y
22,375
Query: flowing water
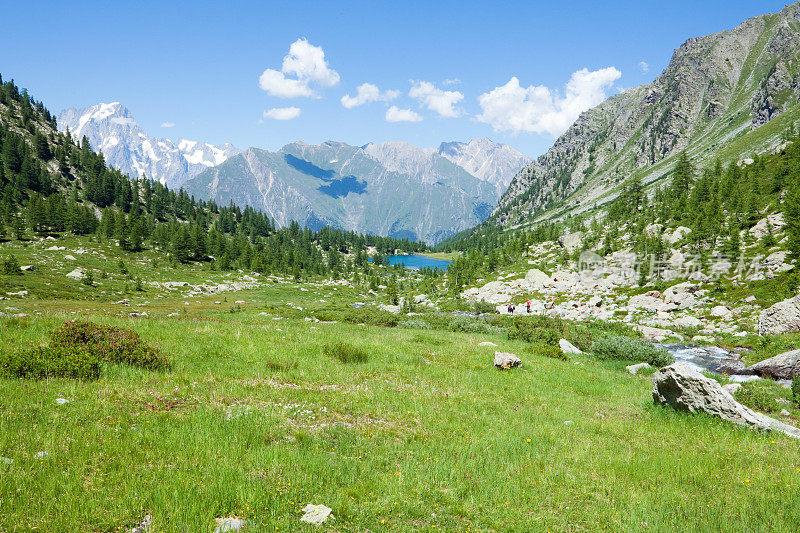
x,y
710,358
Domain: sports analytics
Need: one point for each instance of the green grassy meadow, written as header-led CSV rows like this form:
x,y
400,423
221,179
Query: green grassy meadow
x,y
255,420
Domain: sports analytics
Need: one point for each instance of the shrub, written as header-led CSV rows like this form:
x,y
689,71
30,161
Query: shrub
x,y
372,317
346,353
11,266
483,307
796,390
109,343
757,397
547,350
468,324
630,349
50,362
414,323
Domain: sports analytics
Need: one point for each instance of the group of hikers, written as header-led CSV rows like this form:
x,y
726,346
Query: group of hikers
x,y
512,307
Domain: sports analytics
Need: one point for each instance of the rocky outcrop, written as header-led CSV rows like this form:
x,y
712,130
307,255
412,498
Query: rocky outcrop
x,y
568,347
683,388
713,88
538,279
783,317
782,366
571,241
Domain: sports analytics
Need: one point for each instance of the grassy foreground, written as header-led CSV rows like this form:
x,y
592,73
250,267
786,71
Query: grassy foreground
x,y
255,420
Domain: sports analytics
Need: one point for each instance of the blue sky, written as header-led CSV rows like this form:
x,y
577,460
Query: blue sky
x,y
198,65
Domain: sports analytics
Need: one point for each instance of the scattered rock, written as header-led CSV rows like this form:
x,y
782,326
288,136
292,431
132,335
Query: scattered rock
x,y
721,311
732,388
19,294
784,412
568,422
506,360
571,241
568,347
487,343
683,388
538,279
41,455
143,526
679,233
316,514
6,461
28,268
229,523
76,274
70,257
61,401
634,369
783,317
781,366
687,322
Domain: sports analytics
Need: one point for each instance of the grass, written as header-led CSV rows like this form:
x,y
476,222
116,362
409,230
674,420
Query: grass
x,y
395,428
255,420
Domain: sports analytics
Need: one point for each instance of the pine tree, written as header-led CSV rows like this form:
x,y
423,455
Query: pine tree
x,y
181,248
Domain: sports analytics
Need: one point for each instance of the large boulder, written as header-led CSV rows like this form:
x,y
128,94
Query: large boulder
x,y
571,241
683,388
679,233
650,303
568,347
783,317
782,366
682,295
538,279
505,361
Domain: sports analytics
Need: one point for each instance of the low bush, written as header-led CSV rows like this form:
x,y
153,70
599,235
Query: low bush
x,y
371,317
547,350
11,266
630,349
345,352
469,324
759,397
483,307
109,343
51,362
796,390
413,323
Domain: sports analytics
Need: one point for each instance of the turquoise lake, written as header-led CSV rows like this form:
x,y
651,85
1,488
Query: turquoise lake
x,y
415,262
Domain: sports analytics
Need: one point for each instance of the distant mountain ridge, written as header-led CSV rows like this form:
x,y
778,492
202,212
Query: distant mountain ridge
x,y
112,130
392,189
490,161
724,95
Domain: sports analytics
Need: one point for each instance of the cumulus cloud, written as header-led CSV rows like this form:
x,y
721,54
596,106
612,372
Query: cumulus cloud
x,y
393,114
442,102
367,92
167,124
514,108
282,113
303,66
643,66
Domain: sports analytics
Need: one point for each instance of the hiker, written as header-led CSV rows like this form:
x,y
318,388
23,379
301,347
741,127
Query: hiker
x,y
510,309
528,306
551,305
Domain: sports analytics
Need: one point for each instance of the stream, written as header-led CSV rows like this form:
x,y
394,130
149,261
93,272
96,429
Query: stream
x,y
708,358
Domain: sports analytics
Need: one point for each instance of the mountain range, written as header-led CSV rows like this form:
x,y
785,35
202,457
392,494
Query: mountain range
x,y
725,96
390,189
112,130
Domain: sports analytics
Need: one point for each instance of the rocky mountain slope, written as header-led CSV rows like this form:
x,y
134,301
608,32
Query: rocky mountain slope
x,y
112,130
724,95
490,161
392,189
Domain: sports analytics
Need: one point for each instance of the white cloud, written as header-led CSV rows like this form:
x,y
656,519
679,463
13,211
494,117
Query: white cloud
x,y
535,109
304,65
443,102
282,113
167,124
451,81
643,66
366,93
393,114
277,84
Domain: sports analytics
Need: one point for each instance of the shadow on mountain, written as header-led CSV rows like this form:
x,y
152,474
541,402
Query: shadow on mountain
x,y
309,168
343,187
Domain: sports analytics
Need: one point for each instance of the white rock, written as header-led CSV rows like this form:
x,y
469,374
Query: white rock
x,y
61,401
76,274
316,514
568,347
683,388
679,233
721,311
70,258
228,524
634,369
506,360
732,388
782,317
6,460
784,412
487,343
